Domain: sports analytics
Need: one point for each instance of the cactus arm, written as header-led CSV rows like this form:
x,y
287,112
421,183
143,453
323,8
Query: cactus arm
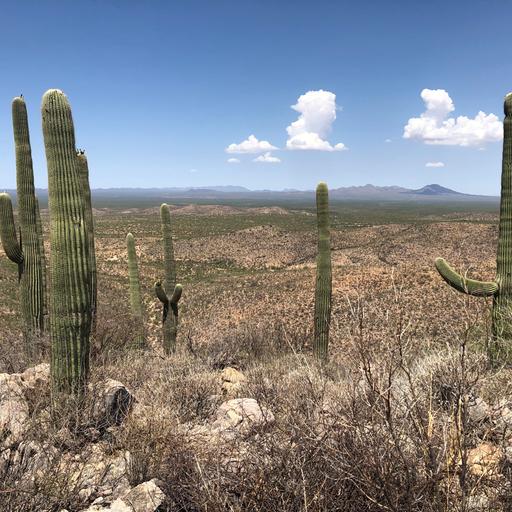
x,y
162,297
175,298
464,285
8,236
83,173
160,293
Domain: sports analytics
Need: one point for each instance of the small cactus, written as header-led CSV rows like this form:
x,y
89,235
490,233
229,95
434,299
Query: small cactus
x,y
135,295
83,172
170,304
500,348
28,252
323,275
70,299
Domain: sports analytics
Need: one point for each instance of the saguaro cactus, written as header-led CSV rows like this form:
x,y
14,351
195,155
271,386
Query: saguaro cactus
x,y
500,289
28,252
135,295
83,173
70,299
170,304
323,291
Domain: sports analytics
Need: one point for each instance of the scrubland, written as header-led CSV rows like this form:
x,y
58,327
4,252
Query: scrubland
x,y
406,415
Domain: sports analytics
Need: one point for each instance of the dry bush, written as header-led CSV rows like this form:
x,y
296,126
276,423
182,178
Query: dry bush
x,y
249,343
384,426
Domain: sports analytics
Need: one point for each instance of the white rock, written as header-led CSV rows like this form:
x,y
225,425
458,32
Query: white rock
x,y
146,497
14,410
97,471
36,381
240,416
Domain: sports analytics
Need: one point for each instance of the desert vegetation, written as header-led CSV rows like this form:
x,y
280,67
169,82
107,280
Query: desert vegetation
x,y
311,367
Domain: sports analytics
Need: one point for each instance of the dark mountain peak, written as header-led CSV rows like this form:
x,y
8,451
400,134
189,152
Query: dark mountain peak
x,y
435,190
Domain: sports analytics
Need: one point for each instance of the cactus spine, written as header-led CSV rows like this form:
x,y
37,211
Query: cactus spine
x,y
83,172
28,253
323,291
135,295
501,288
70,302
170,304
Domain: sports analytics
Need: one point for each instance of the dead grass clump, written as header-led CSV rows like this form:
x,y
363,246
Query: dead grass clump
x,y
251,343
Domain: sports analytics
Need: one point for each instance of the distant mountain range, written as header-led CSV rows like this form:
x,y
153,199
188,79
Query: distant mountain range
x,y
428,193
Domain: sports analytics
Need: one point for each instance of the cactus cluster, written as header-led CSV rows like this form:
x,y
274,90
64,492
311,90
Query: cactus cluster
x,y
323,290
169,303
25,249
501,288
72,301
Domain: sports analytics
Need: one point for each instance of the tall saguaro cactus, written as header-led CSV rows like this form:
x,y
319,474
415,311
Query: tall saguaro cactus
x,y
323,291
500,347
83,173
170,304
70,299
135,295
28,252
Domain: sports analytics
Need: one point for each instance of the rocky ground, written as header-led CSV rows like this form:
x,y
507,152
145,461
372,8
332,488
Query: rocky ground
x,y
406,415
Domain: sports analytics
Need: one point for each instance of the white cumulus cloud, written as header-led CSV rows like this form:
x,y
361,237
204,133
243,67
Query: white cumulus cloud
x,y
250,145
317,111
267,158
435,127
233,160
434,164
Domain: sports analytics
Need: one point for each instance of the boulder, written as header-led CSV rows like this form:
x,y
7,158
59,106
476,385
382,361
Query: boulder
x,y
112,403
35,381
240,417
96,472
14,410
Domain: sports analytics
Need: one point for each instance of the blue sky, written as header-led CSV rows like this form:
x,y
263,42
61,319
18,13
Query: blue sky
x,y
160,89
